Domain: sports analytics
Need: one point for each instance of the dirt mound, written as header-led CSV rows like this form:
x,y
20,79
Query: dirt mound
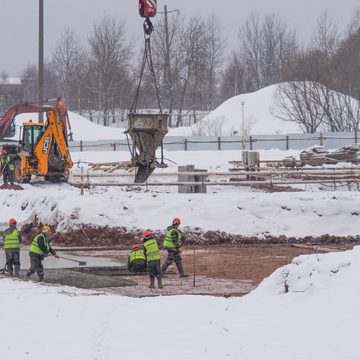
x,y
11,187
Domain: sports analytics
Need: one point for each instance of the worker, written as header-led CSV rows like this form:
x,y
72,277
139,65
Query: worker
x,y
40,248
152,254
11,245
7,168
137,259
172,243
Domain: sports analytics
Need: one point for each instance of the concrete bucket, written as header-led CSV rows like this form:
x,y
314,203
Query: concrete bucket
x,y
147,132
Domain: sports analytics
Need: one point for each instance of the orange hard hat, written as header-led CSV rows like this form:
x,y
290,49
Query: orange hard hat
x,y
147,233
45,229
134,246
176,221
12,221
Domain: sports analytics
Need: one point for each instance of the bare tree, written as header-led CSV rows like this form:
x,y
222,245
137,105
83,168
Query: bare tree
x,y
107,60
69,64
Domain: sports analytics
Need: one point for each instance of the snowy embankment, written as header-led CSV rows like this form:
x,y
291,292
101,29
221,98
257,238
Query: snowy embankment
x,y
317,319
233,210
236,212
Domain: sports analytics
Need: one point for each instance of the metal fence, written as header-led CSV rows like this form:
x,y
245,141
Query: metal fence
x,y
254,142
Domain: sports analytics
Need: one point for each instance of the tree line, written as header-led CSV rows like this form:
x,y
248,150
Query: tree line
x,y
319,83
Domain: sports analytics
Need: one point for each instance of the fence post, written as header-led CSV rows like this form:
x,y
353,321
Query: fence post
x,y
219,143
81,145
287,142
251,142
82,182
186,144
356,137
114,146
321,139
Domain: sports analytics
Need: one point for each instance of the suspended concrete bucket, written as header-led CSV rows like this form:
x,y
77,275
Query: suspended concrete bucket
x,y
147,132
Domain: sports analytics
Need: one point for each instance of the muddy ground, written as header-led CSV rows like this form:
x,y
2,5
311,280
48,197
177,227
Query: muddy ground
x,y
226,270
224,264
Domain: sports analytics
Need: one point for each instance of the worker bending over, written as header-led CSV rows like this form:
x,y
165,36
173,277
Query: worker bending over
x,y
137,259
39,248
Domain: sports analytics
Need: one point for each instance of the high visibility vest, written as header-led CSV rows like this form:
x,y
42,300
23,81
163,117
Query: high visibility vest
x,y
11,241
137,254
5,160
168,242
34,248
152,250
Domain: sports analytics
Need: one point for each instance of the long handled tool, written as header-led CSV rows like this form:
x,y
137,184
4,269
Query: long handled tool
x,y
81,263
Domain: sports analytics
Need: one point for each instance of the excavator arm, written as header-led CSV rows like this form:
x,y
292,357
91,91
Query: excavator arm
x,y
33,107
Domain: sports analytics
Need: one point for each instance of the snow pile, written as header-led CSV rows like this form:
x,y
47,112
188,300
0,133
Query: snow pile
x,y
82,128
309,322
258,118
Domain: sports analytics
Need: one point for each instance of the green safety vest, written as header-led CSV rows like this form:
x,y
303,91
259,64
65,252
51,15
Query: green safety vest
x,y
7,160
34,248
152,250
168,242
11,241
137,254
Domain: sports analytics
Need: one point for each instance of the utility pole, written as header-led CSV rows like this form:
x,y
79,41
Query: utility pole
x,y
167,60
41,57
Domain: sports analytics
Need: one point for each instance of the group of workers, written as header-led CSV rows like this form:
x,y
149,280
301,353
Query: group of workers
x,y
146,256
39,248
143,257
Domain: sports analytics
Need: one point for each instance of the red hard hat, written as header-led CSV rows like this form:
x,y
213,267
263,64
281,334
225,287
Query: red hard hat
x,y
12,221
134,246
3,152
176,221
147,233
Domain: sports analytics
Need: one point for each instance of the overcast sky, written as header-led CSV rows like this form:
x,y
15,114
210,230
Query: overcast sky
x,y
19,20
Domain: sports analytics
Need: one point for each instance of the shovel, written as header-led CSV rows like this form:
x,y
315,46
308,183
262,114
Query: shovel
x,y
81,263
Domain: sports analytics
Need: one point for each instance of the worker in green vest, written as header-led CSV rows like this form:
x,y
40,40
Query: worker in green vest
x,y
40,248
172,243
11,245
7,168
152,254
137,259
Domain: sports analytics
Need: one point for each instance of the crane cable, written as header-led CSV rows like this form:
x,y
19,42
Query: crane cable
x,y
147,60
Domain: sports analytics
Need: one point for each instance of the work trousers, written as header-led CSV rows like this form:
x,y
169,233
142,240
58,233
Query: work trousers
x,y
173,256
36,266
13,261
137,266
154,269
8,177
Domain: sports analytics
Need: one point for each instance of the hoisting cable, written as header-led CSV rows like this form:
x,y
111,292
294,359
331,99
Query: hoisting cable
x,y
147,60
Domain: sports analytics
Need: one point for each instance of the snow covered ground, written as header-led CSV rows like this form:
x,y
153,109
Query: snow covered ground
x,y
317,319
231,209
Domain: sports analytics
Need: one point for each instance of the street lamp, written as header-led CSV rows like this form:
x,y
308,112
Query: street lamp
x,y
243,124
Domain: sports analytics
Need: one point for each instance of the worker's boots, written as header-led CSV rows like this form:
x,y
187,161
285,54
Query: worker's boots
x,y
181,270
152,283
17,269
160,285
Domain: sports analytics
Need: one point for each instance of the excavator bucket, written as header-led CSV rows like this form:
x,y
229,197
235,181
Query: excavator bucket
x,y
147,132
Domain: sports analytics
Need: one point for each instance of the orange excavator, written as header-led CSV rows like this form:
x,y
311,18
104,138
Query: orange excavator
x,y
43,147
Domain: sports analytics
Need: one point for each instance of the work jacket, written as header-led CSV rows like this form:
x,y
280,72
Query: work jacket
x,y
40,246
173,238
151,249
137,254
6,164
11,238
